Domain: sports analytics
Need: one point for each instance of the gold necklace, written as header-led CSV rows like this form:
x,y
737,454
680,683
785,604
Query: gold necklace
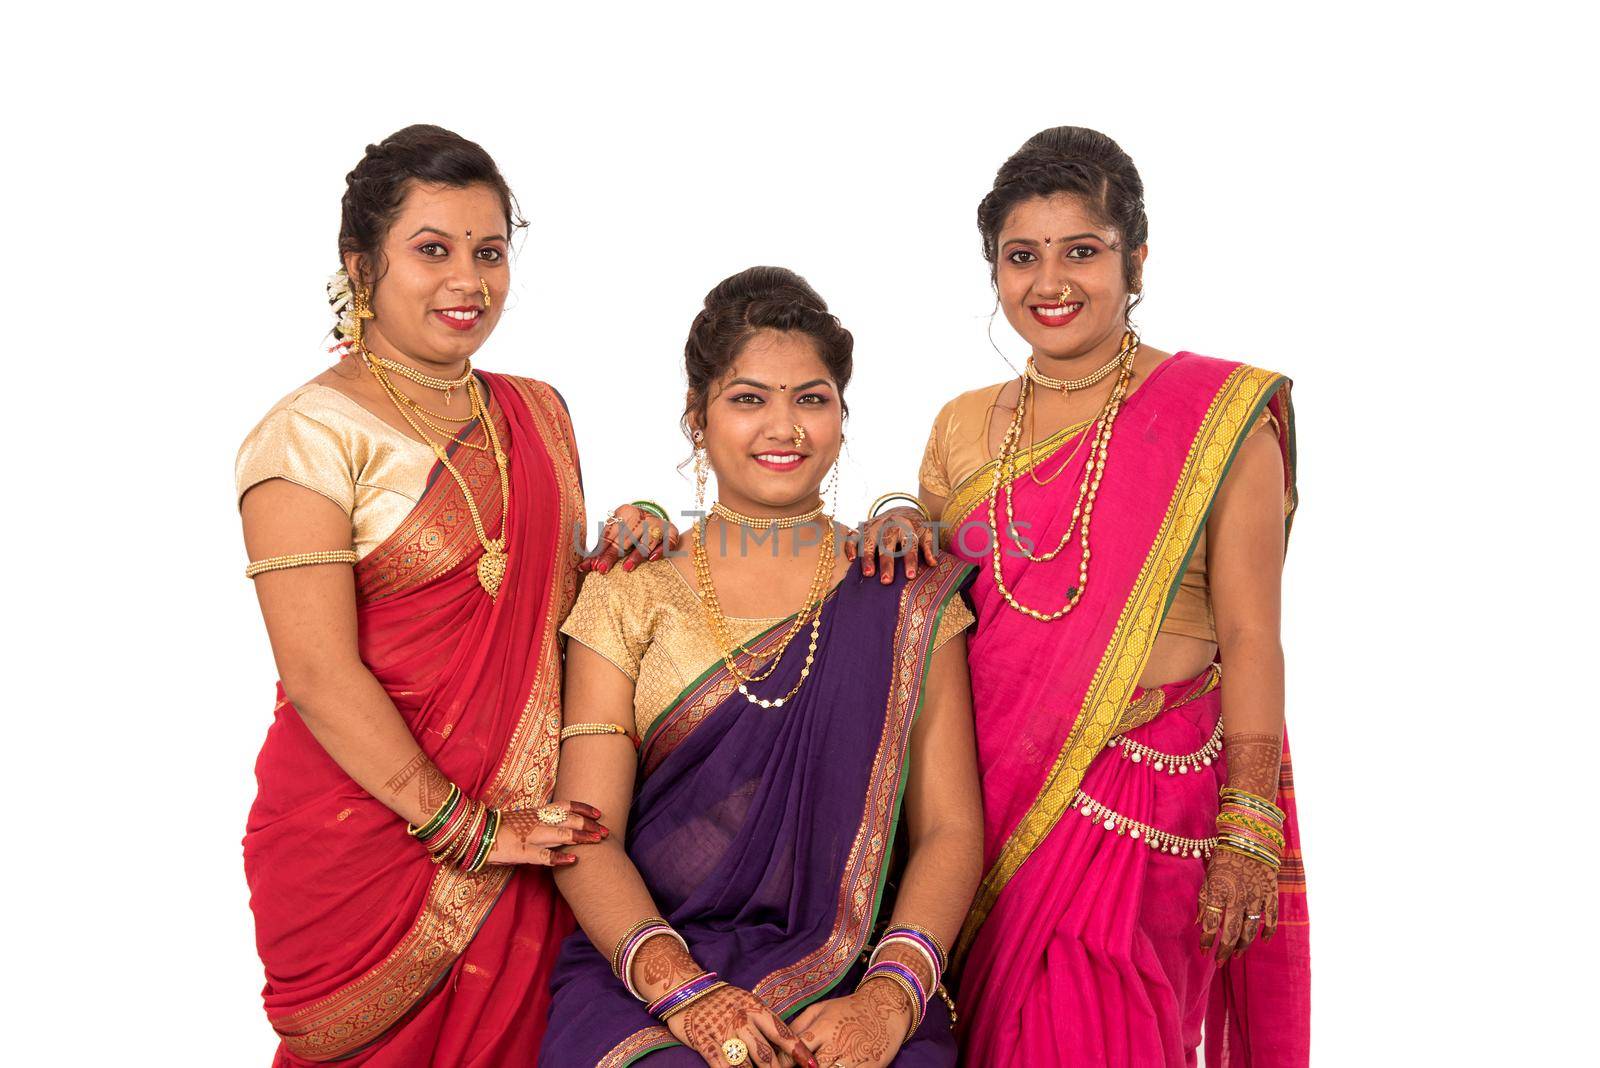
x,y
1067,384
1094,471
492,564
772,523
1033,437
475,411
447,386
728,647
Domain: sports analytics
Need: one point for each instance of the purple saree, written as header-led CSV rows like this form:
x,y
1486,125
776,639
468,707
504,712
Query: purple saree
x,y
764,835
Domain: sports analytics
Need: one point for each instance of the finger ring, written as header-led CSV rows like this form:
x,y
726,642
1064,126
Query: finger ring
x,y
1253,916
1213,908
551,815
735,1051
611,519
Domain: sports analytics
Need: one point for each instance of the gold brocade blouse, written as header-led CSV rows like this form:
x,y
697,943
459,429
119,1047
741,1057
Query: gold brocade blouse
x,y
958,448
653,627
319,438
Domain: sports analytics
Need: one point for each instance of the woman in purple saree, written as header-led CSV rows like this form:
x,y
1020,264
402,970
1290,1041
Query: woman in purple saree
x,y
778,754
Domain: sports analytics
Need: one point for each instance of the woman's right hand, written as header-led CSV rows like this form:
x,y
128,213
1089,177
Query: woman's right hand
x,y
633,537
526,839
732,1013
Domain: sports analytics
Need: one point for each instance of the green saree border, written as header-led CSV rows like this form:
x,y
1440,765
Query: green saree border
x,y
946,578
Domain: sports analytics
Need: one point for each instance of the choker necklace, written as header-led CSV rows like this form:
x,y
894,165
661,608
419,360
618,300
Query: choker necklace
x,y
1066,385
772,523
447,386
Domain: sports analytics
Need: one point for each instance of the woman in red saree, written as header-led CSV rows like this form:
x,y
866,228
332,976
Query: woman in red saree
x,y
1128,509
421,686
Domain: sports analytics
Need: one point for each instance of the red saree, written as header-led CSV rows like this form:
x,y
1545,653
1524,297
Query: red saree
x,y
1081,948
374,955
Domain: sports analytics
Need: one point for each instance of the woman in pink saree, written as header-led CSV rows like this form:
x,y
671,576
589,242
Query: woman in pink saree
x,y
1128,509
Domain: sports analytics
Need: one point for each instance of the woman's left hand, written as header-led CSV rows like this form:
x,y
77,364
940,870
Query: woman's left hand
x,y
1238,901
633,537
862,1030
899,532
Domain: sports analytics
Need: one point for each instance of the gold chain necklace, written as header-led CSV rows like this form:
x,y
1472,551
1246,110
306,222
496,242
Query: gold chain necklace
x,y
1088,490
729,648
475,410
778,523
492,564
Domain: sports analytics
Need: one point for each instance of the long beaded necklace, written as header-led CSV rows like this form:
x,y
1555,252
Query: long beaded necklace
x,y
1088,490
725,642
492,564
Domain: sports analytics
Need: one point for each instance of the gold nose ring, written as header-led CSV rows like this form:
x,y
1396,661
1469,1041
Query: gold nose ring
x,y
1066,291
799,434
488,301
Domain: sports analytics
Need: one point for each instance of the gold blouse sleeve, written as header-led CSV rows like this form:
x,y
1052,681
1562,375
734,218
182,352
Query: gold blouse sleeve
x,y
293,446
1267,420
602,621
933,474
957,618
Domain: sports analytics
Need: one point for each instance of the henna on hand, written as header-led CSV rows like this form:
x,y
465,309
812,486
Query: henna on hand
x,y
1254,759
1235,886
867,1027
662,964
400,779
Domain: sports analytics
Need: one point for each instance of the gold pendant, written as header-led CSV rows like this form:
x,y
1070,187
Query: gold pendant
x,y
491,571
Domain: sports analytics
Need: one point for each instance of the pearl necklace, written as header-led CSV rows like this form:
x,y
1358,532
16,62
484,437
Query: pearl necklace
x,y
1067,384
1088,490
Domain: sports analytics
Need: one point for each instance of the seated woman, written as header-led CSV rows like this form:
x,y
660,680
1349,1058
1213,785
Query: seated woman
x,y
762,754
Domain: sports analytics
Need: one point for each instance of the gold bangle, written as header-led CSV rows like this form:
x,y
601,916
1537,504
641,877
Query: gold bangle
x,y
918,1010
283,563
916,502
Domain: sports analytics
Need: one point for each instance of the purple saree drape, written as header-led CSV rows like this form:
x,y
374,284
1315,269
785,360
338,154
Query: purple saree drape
x,y
764,834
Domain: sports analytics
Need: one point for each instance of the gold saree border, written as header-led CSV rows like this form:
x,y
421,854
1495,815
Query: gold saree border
x,y
978,485
457,903
432,541
1227,421
922,603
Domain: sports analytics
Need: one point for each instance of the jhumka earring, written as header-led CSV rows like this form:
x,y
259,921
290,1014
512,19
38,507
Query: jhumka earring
x,y
488,301
1066,291
799,434
360,311
701,471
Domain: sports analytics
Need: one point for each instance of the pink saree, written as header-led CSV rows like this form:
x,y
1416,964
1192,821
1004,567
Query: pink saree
x,y
1081,947
375,956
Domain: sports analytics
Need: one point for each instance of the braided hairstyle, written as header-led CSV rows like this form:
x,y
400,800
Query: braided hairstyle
x,y
420,154
1083,163
743,305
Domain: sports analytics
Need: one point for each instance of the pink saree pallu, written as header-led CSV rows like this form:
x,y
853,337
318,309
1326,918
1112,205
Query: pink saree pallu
x,y
373,954
1081,947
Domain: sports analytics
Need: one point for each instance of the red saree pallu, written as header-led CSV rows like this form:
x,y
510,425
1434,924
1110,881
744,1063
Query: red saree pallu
x,y
1081,947
765,835
374,955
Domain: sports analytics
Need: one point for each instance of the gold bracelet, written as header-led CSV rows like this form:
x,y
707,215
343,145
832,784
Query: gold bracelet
x,y
282,563
916,502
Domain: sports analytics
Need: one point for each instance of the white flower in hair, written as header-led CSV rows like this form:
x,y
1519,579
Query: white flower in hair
x,y
340,298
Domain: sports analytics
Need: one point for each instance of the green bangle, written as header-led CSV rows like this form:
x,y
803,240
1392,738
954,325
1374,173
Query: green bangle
x,y
653,508
910,498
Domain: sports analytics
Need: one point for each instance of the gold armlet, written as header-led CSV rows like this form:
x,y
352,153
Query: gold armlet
x,y
576,730
283,563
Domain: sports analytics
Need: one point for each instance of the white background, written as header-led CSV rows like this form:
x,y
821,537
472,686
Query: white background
x,y
1393,204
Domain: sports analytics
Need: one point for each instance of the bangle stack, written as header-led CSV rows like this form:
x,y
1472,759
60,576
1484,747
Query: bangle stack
x,y
1250,826
675,1001
907,980
911,499
461,832
632,941
921,941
